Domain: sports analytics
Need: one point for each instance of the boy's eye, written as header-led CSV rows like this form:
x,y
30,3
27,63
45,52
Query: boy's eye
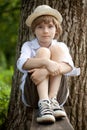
x,y
50,26
39,26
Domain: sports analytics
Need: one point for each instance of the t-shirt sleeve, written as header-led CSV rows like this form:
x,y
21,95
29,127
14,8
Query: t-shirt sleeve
x,y
24,56
68,59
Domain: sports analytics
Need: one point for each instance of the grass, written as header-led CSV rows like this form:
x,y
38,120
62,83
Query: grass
x,y
5,88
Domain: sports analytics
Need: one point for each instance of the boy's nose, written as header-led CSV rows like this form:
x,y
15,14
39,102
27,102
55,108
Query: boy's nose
x,y
45,29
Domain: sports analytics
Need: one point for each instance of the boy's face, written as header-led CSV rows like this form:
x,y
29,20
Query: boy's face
x,y
45,33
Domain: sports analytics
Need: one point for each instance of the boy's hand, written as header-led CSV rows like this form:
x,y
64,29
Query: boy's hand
x,y
38,75
53,67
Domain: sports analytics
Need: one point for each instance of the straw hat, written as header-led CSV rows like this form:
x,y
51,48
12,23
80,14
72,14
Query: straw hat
x,y
43,10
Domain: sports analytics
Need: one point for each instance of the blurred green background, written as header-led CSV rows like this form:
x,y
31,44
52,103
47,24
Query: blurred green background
x,y
9,25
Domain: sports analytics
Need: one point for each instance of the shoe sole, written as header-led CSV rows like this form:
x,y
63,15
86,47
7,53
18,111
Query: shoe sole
x,y
46,119
59,114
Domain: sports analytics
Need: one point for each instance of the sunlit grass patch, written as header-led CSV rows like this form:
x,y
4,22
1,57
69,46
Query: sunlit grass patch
x,y
5,88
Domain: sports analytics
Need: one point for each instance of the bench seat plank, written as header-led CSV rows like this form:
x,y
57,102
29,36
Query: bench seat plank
x,y
62,124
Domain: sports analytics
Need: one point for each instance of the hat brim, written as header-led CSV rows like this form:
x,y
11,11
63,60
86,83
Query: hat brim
x,y
51,12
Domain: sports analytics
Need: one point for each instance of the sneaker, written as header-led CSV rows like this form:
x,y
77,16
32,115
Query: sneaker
x,y
45,112
57,110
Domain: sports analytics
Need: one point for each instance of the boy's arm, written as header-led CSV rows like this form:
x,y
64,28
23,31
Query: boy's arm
x,y
65,68
52,67
38,75
32,63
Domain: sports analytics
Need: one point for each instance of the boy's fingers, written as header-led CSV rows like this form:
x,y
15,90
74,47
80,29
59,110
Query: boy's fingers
x,y
32,70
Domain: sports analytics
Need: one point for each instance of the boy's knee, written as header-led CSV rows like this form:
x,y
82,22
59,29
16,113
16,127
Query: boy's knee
x,y
57,53
43,52
55,49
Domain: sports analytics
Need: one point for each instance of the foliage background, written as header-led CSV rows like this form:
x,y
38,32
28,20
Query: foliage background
x,y
9,24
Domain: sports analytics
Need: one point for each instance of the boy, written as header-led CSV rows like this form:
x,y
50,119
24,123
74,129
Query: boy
x,y
47,60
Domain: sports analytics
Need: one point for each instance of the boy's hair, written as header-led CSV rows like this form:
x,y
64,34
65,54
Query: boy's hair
x,y
47,19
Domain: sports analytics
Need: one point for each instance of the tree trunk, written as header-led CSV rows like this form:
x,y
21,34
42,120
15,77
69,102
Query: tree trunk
x,y
74,24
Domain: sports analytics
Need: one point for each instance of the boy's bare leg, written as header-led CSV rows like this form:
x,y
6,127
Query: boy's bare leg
x,y
54,85
42,87
45,112
56,55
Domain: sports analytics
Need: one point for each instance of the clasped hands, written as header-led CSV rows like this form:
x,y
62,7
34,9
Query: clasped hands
x,y
39,74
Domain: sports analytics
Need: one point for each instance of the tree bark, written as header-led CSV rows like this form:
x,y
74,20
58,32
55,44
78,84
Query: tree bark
x,y
74,24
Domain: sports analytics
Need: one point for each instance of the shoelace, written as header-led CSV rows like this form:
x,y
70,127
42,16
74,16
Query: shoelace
x,y
54,103
45,108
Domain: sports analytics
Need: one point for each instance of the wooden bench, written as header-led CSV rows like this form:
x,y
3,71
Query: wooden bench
x,y
32,99
61,124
